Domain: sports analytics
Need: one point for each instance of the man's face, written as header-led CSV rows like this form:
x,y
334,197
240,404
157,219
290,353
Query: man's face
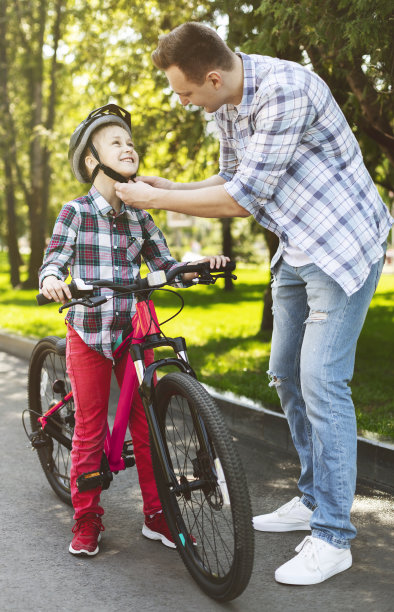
x,y
207,95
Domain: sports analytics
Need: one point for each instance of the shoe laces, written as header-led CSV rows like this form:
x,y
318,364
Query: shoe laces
x,y
87,524
287,507
157,522
308,550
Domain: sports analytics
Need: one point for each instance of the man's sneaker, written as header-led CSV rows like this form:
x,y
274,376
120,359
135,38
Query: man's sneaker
x,y
316,561
293,516
156,528
87,535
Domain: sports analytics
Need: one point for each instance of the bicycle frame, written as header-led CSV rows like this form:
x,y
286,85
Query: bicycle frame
x,y
146,336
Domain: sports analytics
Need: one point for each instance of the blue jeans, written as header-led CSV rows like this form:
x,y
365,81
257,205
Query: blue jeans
x,y
316,328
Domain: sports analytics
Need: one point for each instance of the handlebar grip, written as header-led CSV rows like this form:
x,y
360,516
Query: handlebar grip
x,y
78,288
41,299
229,267
205,266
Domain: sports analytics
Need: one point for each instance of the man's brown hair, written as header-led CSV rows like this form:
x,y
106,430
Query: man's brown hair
x,y
195,49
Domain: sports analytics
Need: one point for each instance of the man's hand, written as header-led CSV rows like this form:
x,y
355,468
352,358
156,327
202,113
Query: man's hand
x,y
137,195
215,261
55,289
156,181
207,202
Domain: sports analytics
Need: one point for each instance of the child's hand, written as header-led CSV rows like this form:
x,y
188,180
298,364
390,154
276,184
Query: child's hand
x,y
55,289
215,261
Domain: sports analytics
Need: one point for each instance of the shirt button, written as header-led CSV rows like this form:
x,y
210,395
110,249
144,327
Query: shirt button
x,y
115,247
117,314
116,268
114,225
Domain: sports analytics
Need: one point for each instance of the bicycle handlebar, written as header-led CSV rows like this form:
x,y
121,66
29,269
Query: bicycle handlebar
x,y
154,280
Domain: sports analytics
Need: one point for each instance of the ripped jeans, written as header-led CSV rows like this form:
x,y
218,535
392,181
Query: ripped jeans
x,y
316,328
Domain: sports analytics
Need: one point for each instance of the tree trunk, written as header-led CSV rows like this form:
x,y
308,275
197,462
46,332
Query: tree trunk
x,y
37,200
8,154
267,321
14,257
374,121
227,248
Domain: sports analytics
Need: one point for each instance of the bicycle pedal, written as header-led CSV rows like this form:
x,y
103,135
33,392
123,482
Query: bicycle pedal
x,y
128,448
70,420
89,480
39,440
128,460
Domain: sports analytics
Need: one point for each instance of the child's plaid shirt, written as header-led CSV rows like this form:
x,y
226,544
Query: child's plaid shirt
x,y
91,242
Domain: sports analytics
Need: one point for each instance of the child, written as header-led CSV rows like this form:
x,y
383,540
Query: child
x,y
96,236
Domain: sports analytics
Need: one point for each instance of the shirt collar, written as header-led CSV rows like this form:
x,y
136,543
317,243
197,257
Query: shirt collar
x,y
249,86
101,204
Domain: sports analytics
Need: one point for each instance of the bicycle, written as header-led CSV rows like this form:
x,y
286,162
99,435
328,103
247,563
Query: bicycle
x,y
199,476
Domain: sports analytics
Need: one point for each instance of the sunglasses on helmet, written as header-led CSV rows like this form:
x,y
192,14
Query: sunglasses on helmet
x,y
109,109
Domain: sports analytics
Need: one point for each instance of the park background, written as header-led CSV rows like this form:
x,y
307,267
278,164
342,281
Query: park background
x,y
59,59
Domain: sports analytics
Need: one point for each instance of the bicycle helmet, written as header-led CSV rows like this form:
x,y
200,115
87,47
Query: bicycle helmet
x,y
81,138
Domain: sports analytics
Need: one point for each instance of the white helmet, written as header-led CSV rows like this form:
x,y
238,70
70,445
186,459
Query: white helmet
x,y
81,138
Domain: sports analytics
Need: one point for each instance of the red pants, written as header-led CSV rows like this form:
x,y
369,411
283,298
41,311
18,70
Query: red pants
x,y
90,376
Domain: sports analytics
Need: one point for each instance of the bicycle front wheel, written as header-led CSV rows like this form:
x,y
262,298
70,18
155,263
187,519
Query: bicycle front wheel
x,y
208,508
47,365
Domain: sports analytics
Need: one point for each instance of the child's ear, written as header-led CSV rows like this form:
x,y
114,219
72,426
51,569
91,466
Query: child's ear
x,y
90,162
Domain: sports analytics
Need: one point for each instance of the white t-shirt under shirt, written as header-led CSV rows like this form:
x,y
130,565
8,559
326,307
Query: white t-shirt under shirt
x,y
294,256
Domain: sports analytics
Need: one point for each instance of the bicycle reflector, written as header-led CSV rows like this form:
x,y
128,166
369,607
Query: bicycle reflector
x,y
156,278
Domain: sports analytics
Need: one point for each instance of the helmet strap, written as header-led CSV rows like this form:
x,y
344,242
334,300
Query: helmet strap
x,y
108,171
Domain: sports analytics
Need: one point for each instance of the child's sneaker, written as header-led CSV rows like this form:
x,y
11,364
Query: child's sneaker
x,y
156,528
87,535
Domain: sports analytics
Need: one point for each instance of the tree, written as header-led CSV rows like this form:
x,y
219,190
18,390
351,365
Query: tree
x,y
227,248
7,135
32,89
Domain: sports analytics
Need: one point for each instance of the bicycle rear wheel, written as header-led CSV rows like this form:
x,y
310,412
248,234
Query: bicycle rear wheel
x,y
47,365
208,510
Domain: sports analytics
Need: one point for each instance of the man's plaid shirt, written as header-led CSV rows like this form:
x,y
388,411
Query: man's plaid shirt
x,y
290,158
92,243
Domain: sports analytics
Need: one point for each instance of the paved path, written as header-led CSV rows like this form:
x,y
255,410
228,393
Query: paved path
x,y
131,573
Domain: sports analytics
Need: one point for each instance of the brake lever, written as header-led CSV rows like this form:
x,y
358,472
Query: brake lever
x,y
223,275
85,301
206,278
210,279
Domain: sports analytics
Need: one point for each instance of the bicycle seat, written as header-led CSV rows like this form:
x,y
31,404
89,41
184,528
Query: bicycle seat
x,y
61,346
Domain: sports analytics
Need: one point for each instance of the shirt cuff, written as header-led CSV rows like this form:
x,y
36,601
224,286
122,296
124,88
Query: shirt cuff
x,y
240,192
226,176
49,272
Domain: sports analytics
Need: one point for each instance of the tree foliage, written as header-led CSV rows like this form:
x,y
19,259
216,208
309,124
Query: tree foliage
x,y
350,44
61,58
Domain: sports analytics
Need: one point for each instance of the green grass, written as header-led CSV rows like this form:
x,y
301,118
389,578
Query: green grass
x,y
221,330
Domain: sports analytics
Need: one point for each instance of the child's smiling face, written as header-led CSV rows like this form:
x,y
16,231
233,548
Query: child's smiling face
x,y
116,149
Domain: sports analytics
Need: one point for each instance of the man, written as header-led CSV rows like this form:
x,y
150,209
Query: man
x,y
289,158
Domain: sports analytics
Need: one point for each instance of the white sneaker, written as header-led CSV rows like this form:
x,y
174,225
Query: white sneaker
x,y
316,561
293,516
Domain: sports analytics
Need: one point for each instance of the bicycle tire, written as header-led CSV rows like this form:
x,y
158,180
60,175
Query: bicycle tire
x,y
47,365
220,559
